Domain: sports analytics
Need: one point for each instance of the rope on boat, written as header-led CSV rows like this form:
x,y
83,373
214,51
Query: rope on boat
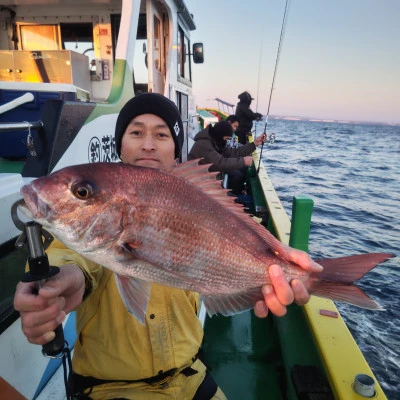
x,y
287,5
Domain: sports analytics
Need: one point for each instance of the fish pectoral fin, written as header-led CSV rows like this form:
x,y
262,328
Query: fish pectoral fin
x,y
231,304
135,294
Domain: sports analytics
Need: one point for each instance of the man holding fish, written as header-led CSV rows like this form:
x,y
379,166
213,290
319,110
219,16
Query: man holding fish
x,y
154,352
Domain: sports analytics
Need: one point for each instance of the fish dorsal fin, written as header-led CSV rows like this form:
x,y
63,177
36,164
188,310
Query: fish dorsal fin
x,y
189,168
206,181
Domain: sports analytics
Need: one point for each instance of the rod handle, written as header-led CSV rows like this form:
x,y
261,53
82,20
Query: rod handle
x,y
56,346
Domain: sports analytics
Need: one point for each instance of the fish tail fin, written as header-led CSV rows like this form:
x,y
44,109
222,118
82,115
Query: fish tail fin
x,y
336,280
347,293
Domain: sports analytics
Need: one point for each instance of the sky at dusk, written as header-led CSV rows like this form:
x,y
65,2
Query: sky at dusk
x,y
339,59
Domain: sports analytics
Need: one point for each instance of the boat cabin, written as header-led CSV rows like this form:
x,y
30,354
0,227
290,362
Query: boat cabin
x,y
68,52
66,69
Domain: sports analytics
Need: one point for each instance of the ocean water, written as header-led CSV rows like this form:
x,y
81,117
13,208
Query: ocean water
x,y
352,172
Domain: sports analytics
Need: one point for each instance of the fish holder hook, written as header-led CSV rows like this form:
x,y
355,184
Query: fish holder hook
x,y
29,141
33,240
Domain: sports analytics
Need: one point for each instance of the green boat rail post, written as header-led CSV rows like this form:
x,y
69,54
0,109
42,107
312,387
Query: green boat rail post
x,y
302,208
298,348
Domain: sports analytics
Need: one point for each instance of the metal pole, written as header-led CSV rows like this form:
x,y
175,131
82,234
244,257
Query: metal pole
x,y
17,126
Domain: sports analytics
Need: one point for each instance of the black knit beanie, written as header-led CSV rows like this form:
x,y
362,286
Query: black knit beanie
x,y
151,103
219,131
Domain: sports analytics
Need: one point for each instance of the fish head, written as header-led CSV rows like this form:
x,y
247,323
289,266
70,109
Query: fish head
x,y
79,205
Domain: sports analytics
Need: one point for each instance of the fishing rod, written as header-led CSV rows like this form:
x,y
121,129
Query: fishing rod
x,y
273,78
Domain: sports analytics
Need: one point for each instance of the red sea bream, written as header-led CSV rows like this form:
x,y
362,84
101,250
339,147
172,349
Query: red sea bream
x,y
177,228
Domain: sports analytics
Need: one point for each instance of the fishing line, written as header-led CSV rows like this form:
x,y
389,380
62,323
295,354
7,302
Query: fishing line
x,y
273,78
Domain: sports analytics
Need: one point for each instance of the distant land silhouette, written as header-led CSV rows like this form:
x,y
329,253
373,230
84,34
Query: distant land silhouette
x,y
336,121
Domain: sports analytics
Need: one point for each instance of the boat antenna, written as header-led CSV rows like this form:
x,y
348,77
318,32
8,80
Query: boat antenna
x,y
272,138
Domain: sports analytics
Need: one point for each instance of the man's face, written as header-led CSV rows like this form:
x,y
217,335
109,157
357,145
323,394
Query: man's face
x,y
235,125
147,142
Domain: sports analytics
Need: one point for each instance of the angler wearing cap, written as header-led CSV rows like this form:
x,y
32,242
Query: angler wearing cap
x,y
115,355
245,116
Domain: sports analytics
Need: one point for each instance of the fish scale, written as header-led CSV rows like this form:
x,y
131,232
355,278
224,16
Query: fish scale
x,y
211,260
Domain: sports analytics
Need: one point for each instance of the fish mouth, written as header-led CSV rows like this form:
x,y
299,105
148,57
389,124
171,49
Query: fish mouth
x,y
33,206
25,210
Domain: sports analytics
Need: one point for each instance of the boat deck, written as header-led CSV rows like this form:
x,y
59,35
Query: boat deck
x,y
241,357
250,357
274,358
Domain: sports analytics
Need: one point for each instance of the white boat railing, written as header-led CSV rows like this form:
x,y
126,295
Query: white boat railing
x,y
26,98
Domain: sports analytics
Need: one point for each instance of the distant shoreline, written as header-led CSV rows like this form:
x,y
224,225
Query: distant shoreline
x,y
336,121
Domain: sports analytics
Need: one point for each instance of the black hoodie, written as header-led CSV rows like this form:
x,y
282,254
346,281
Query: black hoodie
x,y
244,114
225,161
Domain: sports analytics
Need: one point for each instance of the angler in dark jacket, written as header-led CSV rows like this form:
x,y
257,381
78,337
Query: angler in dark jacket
x,y
210,146
245,116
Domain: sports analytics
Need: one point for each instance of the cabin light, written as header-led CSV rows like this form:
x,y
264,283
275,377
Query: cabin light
x,y
68,62
364,385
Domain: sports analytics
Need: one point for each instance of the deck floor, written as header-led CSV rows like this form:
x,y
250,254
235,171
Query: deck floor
x,y
244,356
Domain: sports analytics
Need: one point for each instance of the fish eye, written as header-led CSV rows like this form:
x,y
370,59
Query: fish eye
x,y
82,190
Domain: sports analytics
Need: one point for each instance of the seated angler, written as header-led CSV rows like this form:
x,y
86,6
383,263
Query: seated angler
x,y
210,145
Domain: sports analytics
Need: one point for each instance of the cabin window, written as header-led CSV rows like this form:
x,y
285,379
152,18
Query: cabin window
x,y
183,55
182,102
79,38
39,37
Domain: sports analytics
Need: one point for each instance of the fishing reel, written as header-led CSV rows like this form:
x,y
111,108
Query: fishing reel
x,y
272,137
269,140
